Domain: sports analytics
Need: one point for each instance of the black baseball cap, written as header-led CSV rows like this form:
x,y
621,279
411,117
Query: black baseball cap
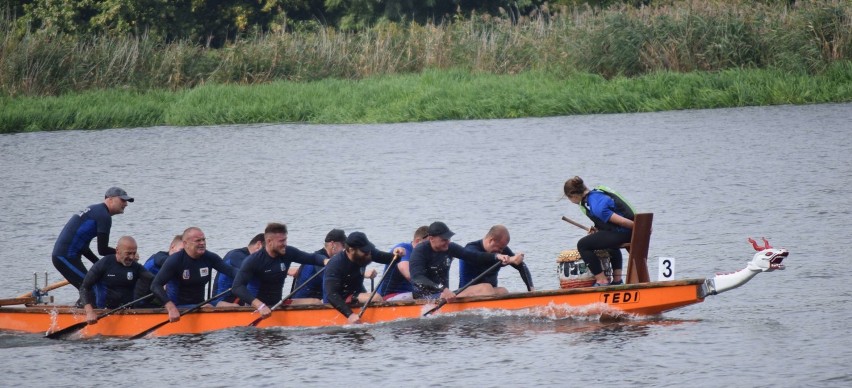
x,y
118,192
358,240
441,230
336,235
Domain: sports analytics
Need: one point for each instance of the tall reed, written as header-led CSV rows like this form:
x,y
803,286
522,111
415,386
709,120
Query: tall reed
x,y
680,36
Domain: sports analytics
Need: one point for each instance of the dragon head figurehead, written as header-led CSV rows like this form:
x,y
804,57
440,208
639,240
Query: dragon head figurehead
x,y
767,259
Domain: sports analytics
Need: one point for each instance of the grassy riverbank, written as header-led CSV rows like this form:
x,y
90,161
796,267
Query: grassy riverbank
x,y
431,95
671,55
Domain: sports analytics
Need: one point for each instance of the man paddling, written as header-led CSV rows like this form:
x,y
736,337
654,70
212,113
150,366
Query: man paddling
x,y
187,273
398,283
73,241
153,265
312,292
111,281
266,269
344,281
495,241
235,259
430,265
155,262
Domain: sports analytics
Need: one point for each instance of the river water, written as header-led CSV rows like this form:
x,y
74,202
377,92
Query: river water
x,y
712,178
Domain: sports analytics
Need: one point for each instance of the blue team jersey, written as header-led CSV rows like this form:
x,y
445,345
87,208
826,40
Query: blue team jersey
x,y
155,262
314,288
223,282
396,283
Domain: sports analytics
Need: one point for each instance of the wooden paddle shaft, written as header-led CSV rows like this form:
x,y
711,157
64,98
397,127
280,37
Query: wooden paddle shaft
x,y
575,223
47,288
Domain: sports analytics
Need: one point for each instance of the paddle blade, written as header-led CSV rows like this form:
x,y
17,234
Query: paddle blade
x,y
151,330
62,334
255,322
440,304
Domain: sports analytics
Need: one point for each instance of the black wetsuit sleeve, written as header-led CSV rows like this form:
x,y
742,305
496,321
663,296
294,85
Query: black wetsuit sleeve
x,y
333,288
171,269
87,252
103,245
87,288
244,276
221,266
526,276
381,256
298,256
456,250
143,285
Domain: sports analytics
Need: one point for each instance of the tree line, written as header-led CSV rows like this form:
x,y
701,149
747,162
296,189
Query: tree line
x,y
214,22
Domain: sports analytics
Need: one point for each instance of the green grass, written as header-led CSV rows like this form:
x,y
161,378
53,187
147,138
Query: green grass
x,y
431,95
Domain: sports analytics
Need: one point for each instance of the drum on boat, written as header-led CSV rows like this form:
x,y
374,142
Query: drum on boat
x,y
573,271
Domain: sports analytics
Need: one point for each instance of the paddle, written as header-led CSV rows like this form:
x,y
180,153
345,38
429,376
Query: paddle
x,y
78,326
191,309
470,283
577,224
305,283
367,303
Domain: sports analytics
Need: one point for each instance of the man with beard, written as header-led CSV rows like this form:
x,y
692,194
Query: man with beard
x,y
266,269
187,273
110,281
344,279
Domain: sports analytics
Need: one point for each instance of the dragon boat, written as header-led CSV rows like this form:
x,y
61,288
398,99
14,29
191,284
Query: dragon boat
x,y
637,296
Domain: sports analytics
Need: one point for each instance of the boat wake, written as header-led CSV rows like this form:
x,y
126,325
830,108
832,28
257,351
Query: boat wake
x,y
553,312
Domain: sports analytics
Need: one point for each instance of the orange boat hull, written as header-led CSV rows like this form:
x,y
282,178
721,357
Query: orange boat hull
x,y
641,299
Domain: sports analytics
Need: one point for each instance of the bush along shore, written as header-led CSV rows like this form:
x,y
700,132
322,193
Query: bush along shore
x,y
677,55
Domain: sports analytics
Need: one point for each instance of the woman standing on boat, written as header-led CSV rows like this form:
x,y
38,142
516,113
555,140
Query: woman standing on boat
x,y
613,218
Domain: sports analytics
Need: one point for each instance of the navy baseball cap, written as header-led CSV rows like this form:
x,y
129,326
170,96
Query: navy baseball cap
x,y
441,230
118,192
358,240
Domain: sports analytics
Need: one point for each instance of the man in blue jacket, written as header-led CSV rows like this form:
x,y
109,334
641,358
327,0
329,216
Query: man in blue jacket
x,y
73,241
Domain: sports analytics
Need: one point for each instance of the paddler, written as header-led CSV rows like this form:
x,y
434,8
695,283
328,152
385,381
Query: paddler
x,y
266,269
495,241
187,273
344,278
235,259
114,277
430,265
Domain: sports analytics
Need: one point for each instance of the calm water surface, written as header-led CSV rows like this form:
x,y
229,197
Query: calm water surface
x,y
711,177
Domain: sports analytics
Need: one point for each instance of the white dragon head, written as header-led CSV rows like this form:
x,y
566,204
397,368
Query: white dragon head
x,y
766,259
